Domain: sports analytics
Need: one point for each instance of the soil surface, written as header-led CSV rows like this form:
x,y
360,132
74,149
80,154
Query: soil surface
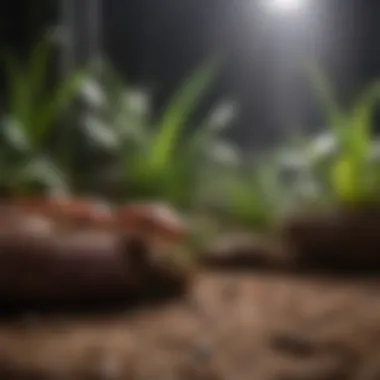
x,y
231,326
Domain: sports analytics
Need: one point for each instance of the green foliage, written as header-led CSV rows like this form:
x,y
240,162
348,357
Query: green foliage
x,y
119,140
151,159
339,165
352,177
174,118
255,198
154,159
31,115
33,108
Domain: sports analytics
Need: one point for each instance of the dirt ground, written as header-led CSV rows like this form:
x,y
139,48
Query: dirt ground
x,y
231,326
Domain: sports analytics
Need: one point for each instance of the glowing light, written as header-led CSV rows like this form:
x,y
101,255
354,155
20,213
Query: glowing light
x,y
286,6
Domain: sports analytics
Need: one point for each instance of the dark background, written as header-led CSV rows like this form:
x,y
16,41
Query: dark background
x,y
157,42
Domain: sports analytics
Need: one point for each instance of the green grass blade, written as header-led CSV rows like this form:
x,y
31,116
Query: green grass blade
x,y
179,108
359,141
360,121
60,100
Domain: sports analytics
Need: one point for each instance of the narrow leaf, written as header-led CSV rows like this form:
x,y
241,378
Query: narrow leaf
x,y
178,110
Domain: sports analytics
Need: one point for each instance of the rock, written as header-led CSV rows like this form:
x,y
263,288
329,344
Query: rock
x,y
344,239
71,249
84,266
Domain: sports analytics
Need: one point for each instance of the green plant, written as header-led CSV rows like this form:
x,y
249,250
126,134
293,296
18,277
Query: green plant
x,y
154,159
32,113
352,176
255,198
339,164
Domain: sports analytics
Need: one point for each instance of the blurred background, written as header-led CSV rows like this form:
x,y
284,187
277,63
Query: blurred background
x,y
267,44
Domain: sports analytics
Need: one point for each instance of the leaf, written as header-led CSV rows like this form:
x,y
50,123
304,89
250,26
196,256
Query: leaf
x,y
221,117
322,146
343,179
30,104
137,102
41,171
223,153
360,122
100,134
177,111
210,129
60,99
15,135
92,93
